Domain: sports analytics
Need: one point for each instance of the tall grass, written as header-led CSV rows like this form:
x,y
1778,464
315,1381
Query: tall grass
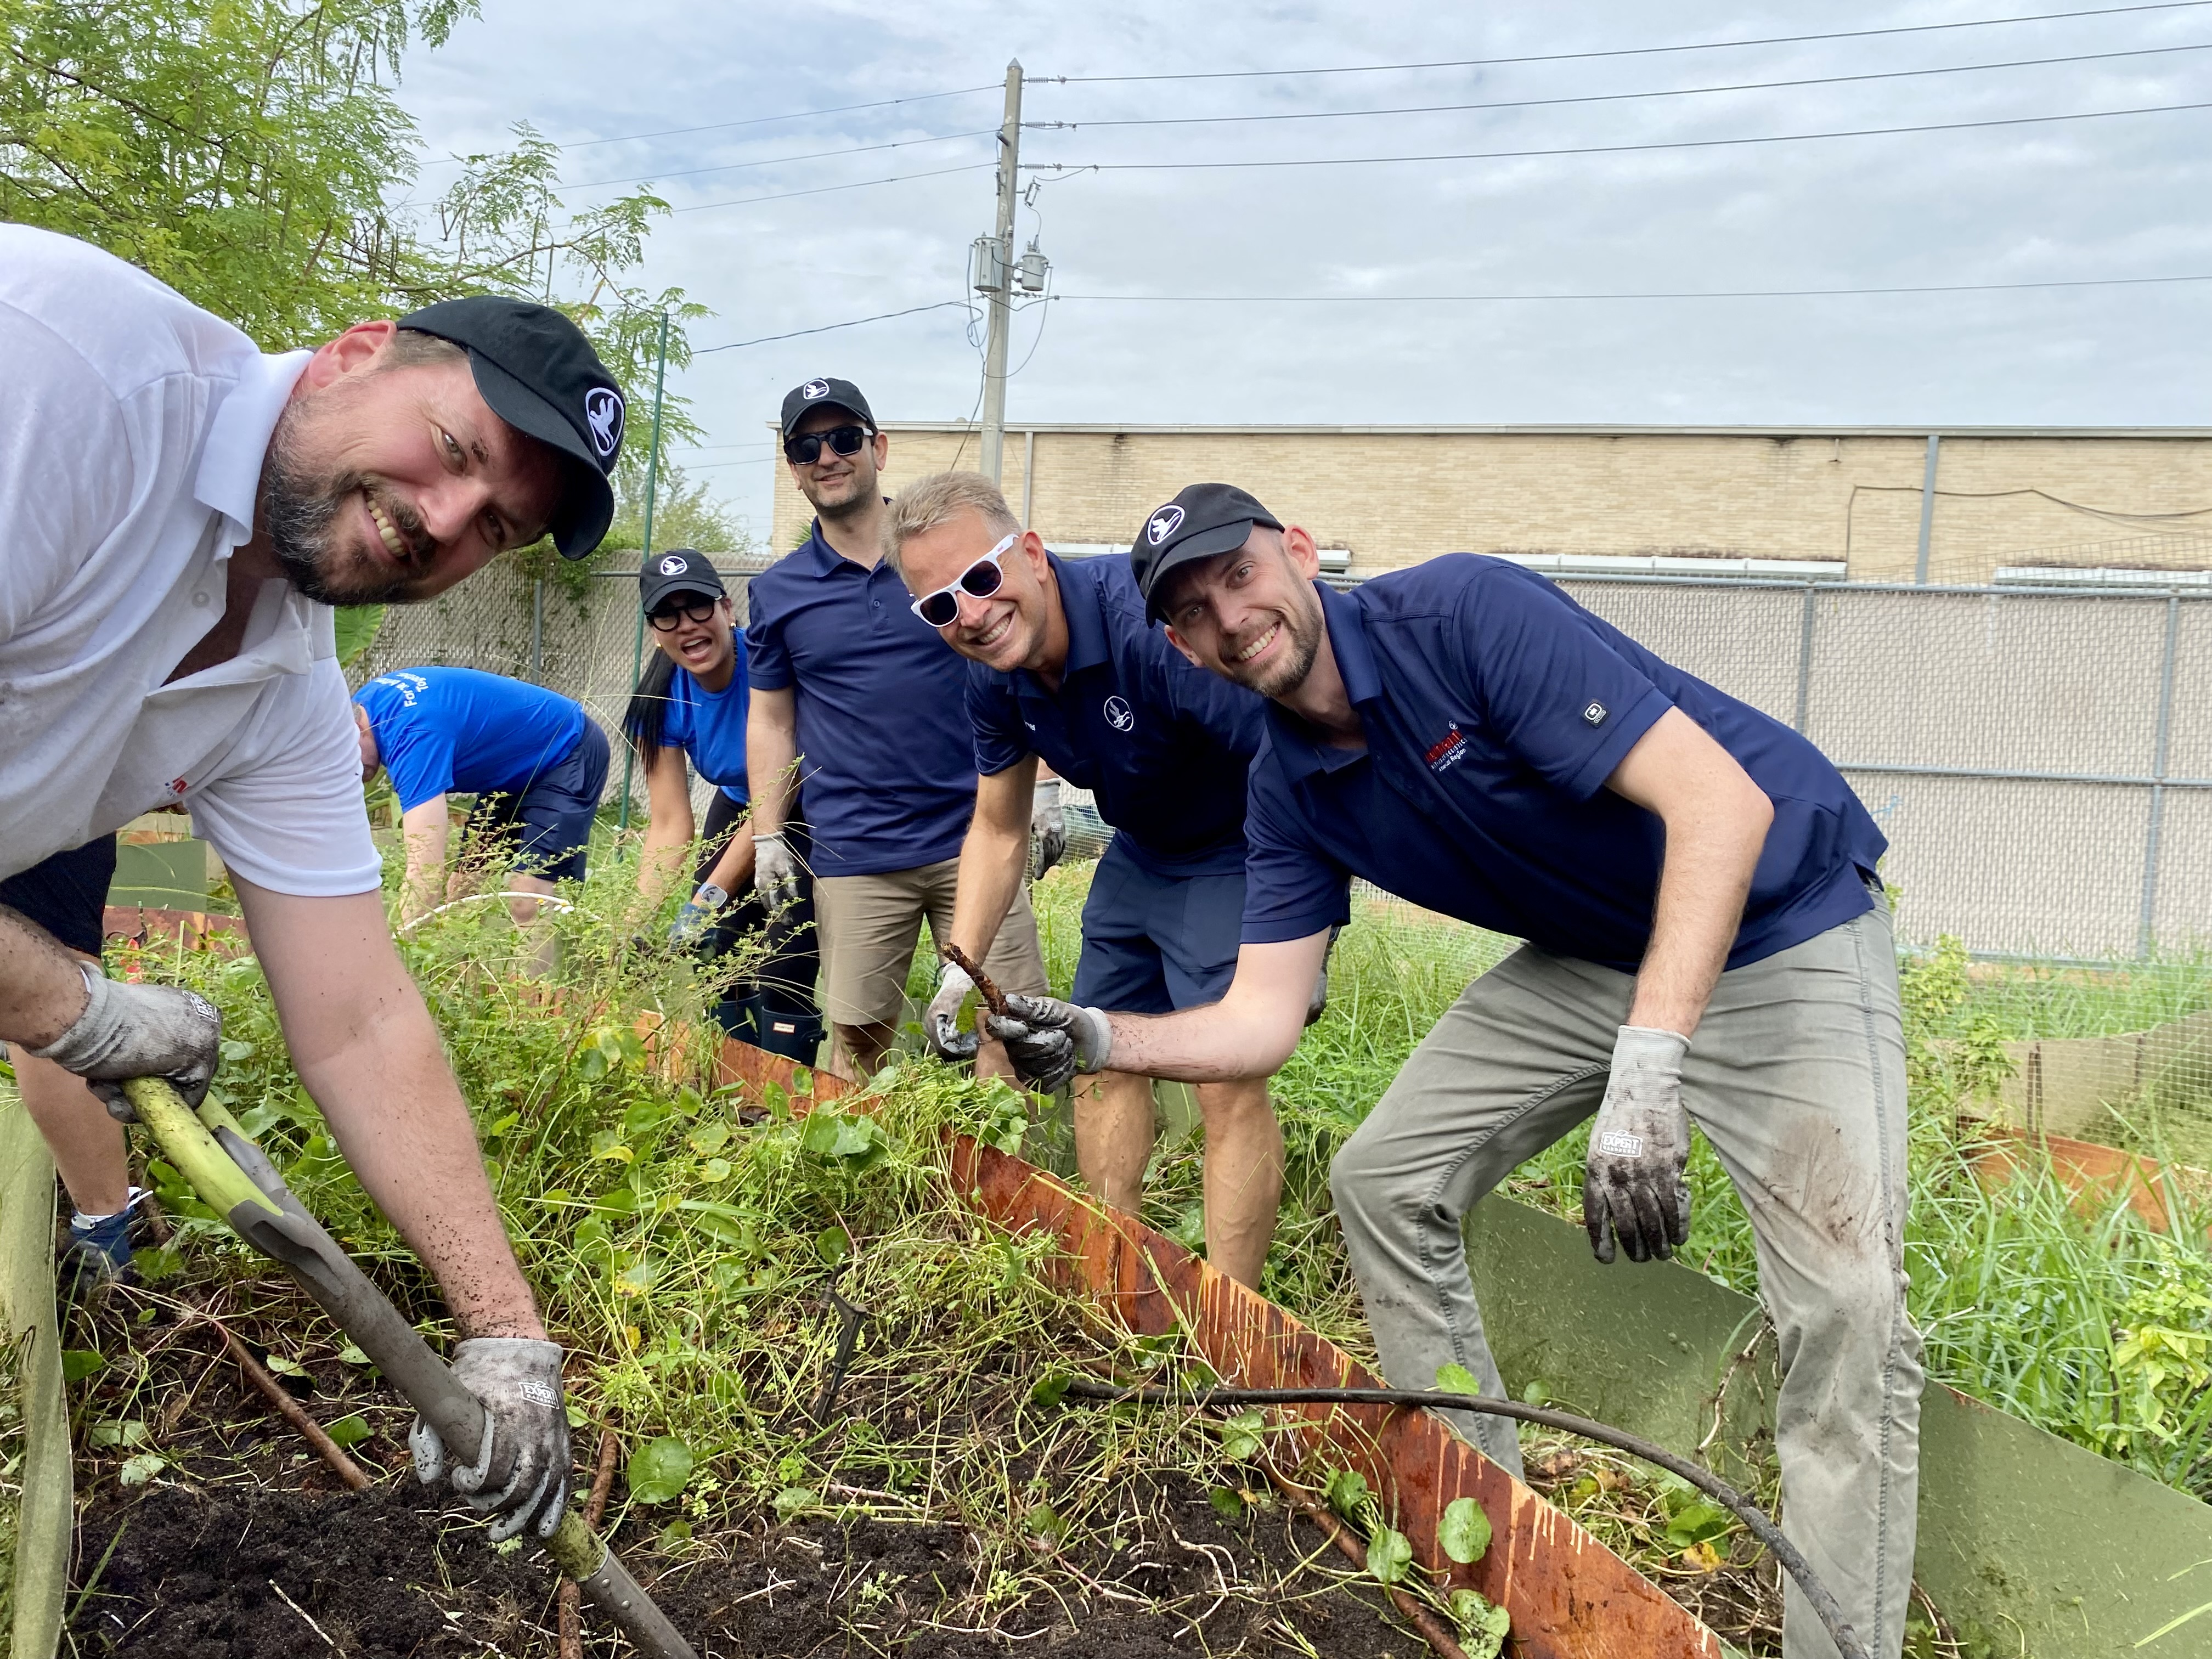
x,y
2076,1317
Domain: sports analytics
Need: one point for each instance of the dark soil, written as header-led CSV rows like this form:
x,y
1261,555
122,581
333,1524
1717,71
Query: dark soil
x,y
205,1573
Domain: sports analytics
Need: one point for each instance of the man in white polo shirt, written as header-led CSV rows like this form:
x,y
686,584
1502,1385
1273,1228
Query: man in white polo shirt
x,y
181,512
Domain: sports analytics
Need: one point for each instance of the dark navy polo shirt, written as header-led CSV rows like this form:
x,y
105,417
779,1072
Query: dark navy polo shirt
x,y
1495,708
886,768
1161,744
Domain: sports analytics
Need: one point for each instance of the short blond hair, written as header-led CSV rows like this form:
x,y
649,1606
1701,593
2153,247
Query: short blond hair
x,y
927,503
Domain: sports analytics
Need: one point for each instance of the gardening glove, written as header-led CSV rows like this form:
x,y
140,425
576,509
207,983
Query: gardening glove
x,y
1047,828
1633,1185
696,918
940,1021
521,1470
1318,1005
130,1030
1049,1040
775,872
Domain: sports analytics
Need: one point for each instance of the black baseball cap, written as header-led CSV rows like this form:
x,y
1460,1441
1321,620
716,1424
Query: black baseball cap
x,y
813,394
679,570
1202,520
540,376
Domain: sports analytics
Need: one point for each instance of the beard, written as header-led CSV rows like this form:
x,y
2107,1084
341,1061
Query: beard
x,y
299,507
1289,670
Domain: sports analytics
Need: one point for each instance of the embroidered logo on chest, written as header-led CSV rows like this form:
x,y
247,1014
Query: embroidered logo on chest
x,y
1447,751
1120,715
1595,714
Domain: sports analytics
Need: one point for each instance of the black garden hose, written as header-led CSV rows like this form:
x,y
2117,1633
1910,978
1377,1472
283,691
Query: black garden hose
x,y
1824,1604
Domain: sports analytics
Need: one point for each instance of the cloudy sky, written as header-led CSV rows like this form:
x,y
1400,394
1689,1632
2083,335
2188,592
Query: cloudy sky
x,y
1137,246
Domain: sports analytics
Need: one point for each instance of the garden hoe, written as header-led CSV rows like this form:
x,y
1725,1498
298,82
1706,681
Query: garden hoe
x,y
234,1177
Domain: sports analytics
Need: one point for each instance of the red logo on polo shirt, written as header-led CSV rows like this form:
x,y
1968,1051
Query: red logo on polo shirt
x,y
178,786
1446,751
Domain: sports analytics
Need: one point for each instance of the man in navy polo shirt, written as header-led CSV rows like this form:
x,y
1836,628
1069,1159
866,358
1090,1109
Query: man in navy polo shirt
x,y
858,713
1705,934
1064,663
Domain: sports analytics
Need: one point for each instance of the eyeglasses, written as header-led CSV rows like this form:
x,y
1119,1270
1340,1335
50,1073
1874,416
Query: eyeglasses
x,y
665,617
978,581
845,440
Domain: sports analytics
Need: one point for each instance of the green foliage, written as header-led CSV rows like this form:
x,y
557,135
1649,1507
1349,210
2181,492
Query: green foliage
x,y
1456,1379
1483,1627
1463,1534
658,1470
356,630
1390,1554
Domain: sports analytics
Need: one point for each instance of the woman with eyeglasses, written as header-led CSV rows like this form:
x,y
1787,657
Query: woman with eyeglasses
x,y
689,712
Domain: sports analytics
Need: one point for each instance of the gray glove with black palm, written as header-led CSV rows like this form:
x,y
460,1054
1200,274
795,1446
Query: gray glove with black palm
x,y
940,1021
1634,1185
1049,1040
1047,825
775,870
129,1030
521,1470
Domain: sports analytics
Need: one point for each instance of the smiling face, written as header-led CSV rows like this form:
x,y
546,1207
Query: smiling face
x,y
1011,629
705,649
1251,614
389,483
836,484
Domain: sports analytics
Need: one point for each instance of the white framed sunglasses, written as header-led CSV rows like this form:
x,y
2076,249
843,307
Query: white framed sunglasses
x,y
941,608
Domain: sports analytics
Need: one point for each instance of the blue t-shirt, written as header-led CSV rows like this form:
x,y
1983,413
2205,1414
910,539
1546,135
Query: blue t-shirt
x,y
1162,746
887,771
710,725
1495,708
442,730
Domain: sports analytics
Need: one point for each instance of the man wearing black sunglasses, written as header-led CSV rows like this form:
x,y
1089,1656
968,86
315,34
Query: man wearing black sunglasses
x,y
857,703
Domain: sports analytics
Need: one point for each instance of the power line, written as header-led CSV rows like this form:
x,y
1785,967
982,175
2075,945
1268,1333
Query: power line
x,y
1608,97
826,328
823,190
1678,294
763,120
1624,51
1602,149
780,161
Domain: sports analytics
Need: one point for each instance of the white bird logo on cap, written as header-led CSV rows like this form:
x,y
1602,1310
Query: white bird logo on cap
x,y
814,389
1164,525
672,565
603,413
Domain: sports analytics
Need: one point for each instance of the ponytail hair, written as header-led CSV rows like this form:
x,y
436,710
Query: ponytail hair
x,y
648,714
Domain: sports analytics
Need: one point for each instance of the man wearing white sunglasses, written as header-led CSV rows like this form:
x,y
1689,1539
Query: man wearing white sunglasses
x,y
1064,663
857,719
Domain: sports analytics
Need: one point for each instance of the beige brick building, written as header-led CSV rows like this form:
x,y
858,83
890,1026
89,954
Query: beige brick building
x,y
2125,498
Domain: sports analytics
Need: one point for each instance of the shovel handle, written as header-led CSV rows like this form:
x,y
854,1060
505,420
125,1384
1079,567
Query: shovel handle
x,y
233,1176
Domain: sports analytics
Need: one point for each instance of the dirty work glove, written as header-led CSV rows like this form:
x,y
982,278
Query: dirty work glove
x,y
1633,1185
1318,1005
130,1030
940,1021
697,916
1047,828
522,1469
775,872
1049,1040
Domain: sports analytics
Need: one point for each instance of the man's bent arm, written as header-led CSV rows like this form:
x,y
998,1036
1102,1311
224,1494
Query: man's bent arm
x,y
366,1048
772,756
41,986
1249,1033
1716,820
995,857
425,828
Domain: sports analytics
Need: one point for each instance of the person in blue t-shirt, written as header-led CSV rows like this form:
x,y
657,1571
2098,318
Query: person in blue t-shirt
x,y
537,765
1706,936
691,706
1063,663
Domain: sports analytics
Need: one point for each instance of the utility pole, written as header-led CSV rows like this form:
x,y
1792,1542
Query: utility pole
x,y
652,483
994,275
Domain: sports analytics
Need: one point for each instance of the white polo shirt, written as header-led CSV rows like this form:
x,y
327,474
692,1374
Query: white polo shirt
x,y
132,432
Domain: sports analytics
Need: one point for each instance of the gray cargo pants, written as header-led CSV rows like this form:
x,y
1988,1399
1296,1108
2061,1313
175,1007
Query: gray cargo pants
x,y
1796,1076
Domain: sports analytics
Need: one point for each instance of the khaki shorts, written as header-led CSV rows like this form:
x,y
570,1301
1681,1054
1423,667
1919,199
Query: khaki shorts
x,y
869,926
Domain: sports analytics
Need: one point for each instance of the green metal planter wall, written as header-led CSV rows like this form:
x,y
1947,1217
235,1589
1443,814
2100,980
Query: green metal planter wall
x,y
2028,1544
40,1568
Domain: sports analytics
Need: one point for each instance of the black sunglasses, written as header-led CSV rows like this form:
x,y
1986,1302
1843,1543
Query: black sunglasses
x,y
663,617
845,440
